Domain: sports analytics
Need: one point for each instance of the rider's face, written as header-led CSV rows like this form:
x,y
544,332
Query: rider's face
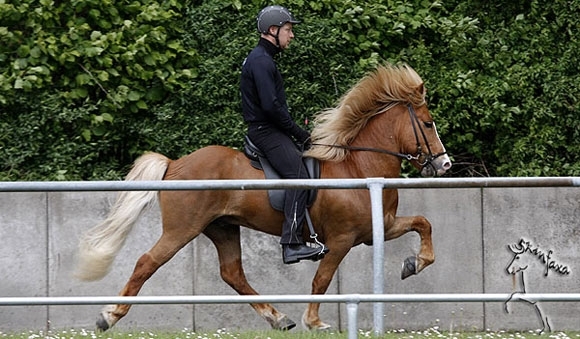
x,y
285,35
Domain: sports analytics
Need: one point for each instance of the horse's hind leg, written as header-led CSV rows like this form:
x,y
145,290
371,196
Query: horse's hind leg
x,y
165,248
426,256
226,239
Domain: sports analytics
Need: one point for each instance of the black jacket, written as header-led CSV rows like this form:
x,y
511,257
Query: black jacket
x,y
263,95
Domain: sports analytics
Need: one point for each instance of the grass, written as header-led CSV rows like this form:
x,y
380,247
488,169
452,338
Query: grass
x,y
431,333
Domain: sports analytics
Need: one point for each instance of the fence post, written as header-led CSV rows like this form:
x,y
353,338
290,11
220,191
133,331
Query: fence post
x,y
376,191
352,315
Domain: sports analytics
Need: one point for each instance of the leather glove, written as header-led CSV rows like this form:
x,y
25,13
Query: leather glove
x,y
303,137
304,146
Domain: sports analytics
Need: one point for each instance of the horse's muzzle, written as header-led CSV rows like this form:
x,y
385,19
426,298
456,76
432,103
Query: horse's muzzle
x,y
437,166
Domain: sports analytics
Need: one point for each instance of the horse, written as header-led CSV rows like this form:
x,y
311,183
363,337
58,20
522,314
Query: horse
x,y
526,258
379,122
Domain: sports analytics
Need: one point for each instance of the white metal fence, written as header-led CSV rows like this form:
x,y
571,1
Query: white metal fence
x,y
375,187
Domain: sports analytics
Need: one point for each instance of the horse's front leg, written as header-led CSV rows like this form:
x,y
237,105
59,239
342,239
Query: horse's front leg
x,y
326,269
398,226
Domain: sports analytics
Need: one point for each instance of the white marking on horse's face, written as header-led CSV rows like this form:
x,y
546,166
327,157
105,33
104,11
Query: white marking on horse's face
x,y
437,134
441,164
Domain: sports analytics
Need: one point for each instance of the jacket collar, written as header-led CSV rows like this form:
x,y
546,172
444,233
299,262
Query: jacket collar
x,y
270,48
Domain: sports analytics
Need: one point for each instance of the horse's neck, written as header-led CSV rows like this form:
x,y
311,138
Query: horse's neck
x,y
369,164
362,164
378,134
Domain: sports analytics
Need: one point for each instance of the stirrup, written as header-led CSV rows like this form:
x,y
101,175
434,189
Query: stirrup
x,y
314,235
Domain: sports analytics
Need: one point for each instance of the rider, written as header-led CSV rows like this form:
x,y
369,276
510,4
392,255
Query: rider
x,y
271,128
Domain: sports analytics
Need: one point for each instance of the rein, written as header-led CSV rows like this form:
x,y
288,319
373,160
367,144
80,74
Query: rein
x,y
414,120
371,149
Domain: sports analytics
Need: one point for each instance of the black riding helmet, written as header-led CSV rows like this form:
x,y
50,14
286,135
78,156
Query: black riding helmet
x,y
274,16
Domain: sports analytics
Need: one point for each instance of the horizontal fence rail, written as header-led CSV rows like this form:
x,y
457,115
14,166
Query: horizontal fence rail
x,y
375,187
294,298
351,300
177,185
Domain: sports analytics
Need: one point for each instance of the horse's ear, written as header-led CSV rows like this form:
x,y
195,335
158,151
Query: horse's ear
x,y
421,88
516,249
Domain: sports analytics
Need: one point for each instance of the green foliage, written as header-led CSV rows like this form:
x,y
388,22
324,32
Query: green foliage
x,y
509,90
124,56
87,85
39,142
101,63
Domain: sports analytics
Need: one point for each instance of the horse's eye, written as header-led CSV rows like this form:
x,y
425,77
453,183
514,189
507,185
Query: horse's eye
x,y
428,124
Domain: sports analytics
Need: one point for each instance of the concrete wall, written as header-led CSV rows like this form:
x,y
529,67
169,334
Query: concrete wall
x,y
471,231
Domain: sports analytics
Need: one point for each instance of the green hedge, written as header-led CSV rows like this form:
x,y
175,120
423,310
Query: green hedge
x,y
88,85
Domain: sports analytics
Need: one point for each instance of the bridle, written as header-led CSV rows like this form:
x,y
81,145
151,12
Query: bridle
x,y
423,159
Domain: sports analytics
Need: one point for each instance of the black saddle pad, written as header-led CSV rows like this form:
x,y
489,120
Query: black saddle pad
x,y
259,161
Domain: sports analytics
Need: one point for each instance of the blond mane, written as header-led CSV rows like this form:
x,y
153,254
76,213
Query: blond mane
x,y
340,125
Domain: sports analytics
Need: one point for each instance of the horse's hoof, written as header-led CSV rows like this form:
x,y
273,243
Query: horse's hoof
x,y
285,324
282,324
409,267
323,328
318,327
102,324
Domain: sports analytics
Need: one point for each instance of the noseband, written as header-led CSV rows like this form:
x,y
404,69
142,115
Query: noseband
x,y
423,159
427,158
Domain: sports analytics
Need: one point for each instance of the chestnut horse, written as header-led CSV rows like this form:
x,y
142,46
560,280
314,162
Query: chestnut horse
x,y
378,123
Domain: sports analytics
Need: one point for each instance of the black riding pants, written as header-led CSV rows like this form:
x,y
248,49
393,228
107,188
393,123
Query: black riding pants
x,y
287,160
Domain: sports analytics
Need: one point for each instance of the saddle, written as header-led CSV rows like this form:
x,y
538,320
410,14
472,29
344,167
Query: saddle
x,y
259,161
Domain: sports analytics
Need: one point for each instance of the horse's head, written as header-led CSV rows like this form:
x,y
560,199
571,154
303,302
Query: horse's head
x,y
517,262
420,142
385,112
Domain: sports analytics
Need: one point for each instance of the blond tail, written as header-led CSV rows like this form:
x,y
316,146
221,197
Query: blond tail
x,y
100,244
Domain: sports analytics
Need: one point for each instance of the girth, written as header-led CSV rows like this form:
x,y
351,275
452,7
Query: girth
x,y
259,161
